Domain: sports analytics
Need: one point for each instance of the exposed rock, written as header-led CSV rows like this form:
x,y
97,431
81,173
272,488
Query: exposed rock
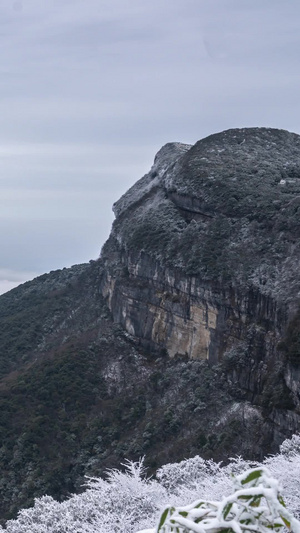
x,y
205,263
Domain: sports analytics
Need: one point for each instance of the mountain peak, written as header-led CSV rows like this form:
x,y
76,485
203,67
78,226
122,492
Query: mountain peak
x,y
181,339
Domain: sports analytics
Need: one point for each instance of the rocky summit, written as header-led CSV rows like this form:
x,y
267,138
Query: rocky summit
x,y
183,338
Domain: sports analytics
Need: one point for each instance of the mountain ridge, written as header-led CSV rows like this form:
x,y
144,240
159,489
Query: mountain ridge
x,y
181,339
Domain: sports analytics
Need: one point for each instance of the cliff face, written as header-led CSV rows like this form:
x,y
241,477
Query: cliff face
x,y
166,309
203,258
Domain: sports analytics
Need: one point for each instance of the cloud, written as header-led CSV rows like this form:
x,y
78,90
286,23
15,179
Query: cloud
x,y
91,90
6,285
14,276
9,279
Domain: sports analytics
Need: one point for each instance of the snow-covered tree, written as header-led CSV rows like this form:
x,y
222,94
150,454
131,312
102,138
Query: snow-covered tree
x,y
256,505
128,501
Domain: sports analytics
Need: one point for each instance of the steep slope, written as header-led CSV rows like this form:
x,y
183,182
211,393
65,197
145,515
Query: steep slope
x,y
182,338
78,395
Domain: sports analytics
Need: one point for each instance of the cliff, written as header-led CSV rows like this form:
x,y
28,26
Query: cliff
x,y
203,261
183,337
204,252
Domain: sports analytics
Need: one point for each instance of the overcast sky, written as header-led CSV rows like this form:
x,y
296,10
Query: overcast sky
x,y
91,89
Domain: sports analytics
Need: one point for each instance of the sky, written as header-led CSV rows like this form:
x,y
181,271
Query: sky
x,y
91,89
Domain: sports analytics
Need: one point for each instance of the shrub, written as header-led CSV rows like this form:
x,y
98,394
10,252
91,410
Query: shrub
x,y
255,506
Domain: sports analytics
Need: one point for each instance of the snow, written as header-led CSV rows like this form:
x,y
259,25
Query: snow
x,y
129,502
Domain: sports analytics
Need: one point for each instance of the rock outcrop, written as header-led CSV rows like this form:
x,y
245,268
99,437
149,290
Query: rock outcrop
x,y
203,258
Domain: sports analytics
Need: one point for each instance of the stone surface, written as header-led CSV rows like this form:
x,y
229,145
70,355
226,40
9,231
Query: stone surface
x,y
204,262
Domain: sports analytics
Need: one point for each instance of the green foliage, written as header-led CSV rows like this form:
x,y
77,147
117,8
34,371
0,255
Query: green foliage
x,y
255,505
33,311
63,417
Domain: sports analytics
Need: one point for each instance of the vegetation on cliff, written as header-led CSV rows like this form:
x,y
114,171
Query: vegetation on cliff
x,y
86,395
82,406
226,210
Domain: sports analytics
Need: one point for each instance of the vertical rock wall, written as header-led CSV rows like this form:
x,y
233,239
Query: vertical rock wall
x,y
167,310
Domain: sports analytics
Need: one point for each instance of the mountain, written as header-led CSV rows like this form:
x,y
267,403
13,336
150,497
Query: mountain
x,y
183,338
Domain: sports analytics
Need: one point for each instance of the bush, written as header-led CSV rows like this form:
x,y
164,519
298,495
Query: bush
x,y
256,505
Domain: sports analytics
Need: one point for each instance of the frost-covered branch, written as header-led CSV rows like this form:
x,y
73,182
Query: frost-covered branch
x,y
127,501
256,506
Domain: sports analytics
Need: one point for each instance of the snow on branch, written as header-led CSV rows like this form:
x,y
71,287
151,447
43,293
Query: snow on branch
x,y
256,506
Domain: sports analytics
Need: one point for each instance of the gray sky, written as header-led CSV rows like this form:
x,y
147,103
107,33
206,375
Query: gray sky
x,y
91,89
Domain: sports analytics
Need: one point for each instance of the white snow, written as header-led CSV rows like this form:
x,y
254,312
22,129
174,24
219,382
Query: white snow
x,y
128,502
